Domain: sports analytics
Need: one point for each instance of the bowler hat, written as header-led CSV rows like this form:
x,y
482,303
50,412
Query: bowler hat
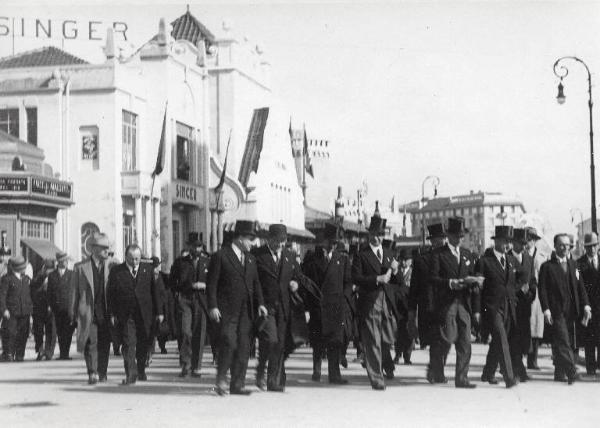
x,y
17,263
100,240
195,239
331,231
377,225
405,254
532,233
278,231
590,239
503,232
520,235
436,230
61,256
456,226
244,228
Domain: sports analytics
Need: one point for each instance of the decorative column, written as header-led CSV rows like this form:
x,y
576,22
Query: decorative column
x,y
220,228
213,231
139,233
148,227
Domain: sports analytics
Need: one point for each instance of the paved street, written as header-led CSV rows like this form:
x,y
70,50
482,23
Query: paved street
x,y
56,394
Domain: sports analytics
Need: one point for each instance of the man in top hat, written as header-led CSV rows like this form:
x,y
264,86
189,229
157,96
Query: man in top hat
x,y
404,341
44,329
235,300
589,267
188,280
133,305
420,299
89,280
453,282
536,321
376,273
279,276
498,302
16,308
329,269
60,294
565,303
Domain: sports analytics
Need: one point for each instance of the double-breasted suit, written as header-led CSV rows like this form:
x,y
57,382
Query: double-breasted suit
x,y
60,295
234,289
15,296
420,298
377,305
453,309
591,334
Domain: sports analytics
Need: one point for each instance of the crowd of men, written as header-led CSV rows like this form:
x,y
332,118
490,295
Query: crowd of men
x,y
378,298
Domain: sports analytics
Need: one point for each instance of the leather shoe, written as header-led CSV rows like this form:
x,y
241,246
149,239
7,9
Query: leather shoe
x,y
378,387
511,382
560,378
275,388
195,373
242,391
142,377
261,383
221,388
388,374
316,377
524,378
408,362
489,379
338,381
129,380
92,378
102,379
573,379
466,385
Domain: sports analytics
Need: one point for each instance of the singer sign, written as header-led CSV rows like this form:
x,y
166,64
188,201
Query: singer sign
x,y
67,29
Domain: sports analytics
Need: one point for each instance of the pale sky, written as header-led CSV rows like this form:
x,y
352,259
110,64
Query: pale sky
x,y
462,90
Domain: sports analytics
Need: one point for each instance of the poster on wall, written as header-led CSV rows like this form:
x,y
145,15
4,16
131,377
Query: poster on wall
x,y
89,143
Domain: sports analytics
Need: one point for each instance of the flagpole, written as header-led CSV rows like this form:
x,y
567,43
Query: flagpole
x,y
304,150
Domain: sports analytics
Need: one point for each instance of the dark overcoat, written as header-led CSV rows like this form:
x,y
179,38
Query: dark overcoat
x,y
60,291
15,295
591,281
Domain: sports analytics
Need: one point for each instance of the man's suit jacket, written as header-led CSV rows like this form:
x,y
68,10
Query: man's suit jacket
x,y
15,295
229,284
591,280
143,288
420,295
183,275
365,269
60,293
557,287
499,284
328,316
445,266
82,284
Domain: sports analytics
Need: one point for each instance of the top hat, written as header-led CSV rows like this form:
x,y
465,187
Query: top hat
x,y
278,231
331,231
503,232
17,263
245,228
155,261
519,235
590,239
456,226
532,233
61,256
377,225
195,239
100,240
436,230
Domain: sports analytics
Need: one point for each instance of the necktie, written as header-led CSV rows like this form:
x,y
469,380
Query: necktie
x,y
503,262
379,257
134,272
242,258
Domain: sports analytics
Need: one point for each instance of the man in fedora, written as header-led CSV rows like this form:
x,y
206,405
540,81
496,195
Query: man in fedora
x,y
421,304
452,280
279,276
536,321
235,300
498,303
188,280
60,294
589,266
376,274
405,342
16,308
89,281
44,328
329,269
565,304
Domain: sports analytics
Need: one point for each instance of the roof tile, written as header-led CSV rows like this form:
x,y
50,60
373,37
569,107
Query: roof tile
x,y
46,56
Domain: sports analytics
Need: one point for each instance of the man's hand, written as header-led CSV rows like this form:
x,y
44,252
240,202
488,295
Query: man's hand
x,y
160,318
6,314
214,314
113,320
525,288
293,286
587,316
199,285
477,318
548,316
385,278
457,284
262,311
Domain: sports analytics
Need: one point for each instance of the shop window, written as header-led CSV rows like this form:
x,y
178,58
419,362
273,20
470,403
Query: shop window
x,y
184,151
37,230
9,121
130,124
32,125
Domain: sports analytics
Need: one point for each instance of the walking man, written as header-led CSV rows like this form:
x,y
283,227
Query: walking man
x,y
60,294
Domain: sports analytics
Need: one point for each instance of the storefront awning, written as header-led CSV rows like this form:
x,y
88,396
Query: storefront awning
x,y
44,249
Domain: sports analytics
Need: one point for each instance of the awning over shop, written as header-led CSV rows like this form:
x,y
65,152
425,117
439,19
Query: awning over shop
x,y
44,249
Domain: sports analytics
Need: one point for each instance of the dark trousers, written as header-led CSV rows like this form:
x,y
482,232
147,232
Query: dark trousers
x,y
532,356
455,328
193,332
271,349
504,347
64,332
235,336
377,336
562,346
44,333
134,345
333,353
17,332
404,343
97,349
592,357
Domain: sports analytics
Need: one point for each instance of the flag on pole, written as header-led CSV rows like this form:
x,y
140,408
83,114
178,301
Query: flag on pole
x,y
290,131
222,179
307,163
160,157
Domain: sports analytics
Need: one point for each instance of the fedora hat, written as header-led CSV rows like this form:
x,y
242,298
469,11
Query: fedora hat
x,y
590,239
520,235
405,254
377,225
61,256
245,228
17,263
456,226
436,230
503,232
100,240
278,231
532,234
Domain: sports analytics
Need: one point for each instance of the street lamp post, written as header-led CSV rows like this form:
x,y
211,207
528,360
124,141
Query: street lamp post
x,y
574,211
562,72
436,182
